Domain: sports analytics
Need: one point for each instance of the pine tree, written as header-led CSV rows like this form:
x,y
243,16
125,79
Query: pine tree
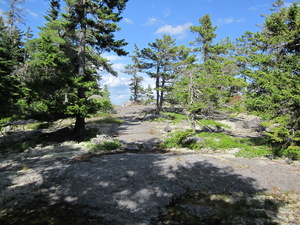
x,y
208,84
15,15
161,61
94,24
135,85
275,84
148,97
11,56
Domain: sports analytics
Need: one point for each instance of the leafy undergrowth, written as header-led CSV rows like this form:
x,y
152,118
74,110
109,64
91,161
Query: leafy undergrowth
x,y
176,118
106,146
201,207
216,141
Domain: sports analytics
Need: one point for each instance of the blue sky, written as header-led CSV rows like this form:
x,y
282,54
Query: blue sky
x,y
146,20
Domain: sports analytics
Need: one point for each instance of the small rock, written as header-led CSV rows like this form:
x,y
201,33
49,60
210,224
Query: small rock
x,y
207,129
167,129
194,139
132,147
100,139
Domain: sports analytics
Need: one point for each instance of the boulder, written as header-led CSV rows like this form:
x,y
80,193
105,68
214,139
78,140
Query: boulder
x,y
253,124
132,147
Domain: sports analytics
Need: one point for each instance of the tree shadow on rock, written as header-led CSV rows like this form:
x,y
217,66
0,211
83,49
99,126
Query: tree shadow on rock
x,y
141,188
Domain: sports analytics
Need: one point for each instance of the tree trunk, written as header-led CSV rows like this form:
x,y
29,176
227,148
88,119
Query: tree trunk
x,y
80,120
162,93
157,91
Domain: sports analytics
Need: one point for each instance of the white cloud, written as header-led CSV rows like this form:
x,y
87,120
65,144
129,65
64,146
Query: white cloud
x,y
152,21
148,80
111,57
32,13
118,88
129,21
253,8
174,30
222,21
225,20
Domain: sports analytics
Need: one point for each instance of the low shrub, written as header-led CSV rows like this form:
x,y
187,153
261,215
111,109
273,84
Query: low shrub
x,y
106,146
252,152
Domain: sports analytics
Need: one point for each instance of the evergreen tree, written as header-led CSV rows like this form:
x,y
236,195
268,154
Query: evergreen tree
x,y
105,92
205,36
11,56
161,61
94,24
135,85
148,97
207,85
275,84
15,14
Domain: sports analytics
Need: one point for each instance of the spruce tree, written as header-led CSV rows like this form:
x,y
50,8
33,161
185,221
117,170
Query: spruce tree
x,y
209,82
161,61
275,84
136,80
94,24
11,57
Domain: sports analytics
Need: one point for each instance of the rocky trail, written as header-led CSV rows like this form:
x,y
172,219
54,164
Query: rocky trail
x,y
44,185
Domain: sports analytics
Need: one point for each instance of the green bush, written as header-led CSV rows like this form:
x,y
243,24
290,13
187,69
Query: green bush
x,y
252,152
174,117
213,123
176,139
106,146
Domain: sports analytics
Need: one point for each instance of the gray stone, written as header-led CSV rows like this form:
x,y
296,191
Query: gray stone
x,y
101,138
253,124
208,129
132,147
167,129
194,139
32,135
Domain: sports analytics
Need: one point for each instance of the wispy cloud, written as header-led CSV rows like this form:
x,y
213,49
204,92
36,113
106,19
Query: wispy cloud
x,y
252,8
129,21
174,30
32,13
152,21
223,21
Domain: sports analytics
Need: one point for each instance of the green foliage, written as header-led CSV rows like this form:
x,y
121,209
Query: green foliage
x,y
219,141
250,152
274,61
205,122
174,117
106,146
11,56
161,60
176,139
35,126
